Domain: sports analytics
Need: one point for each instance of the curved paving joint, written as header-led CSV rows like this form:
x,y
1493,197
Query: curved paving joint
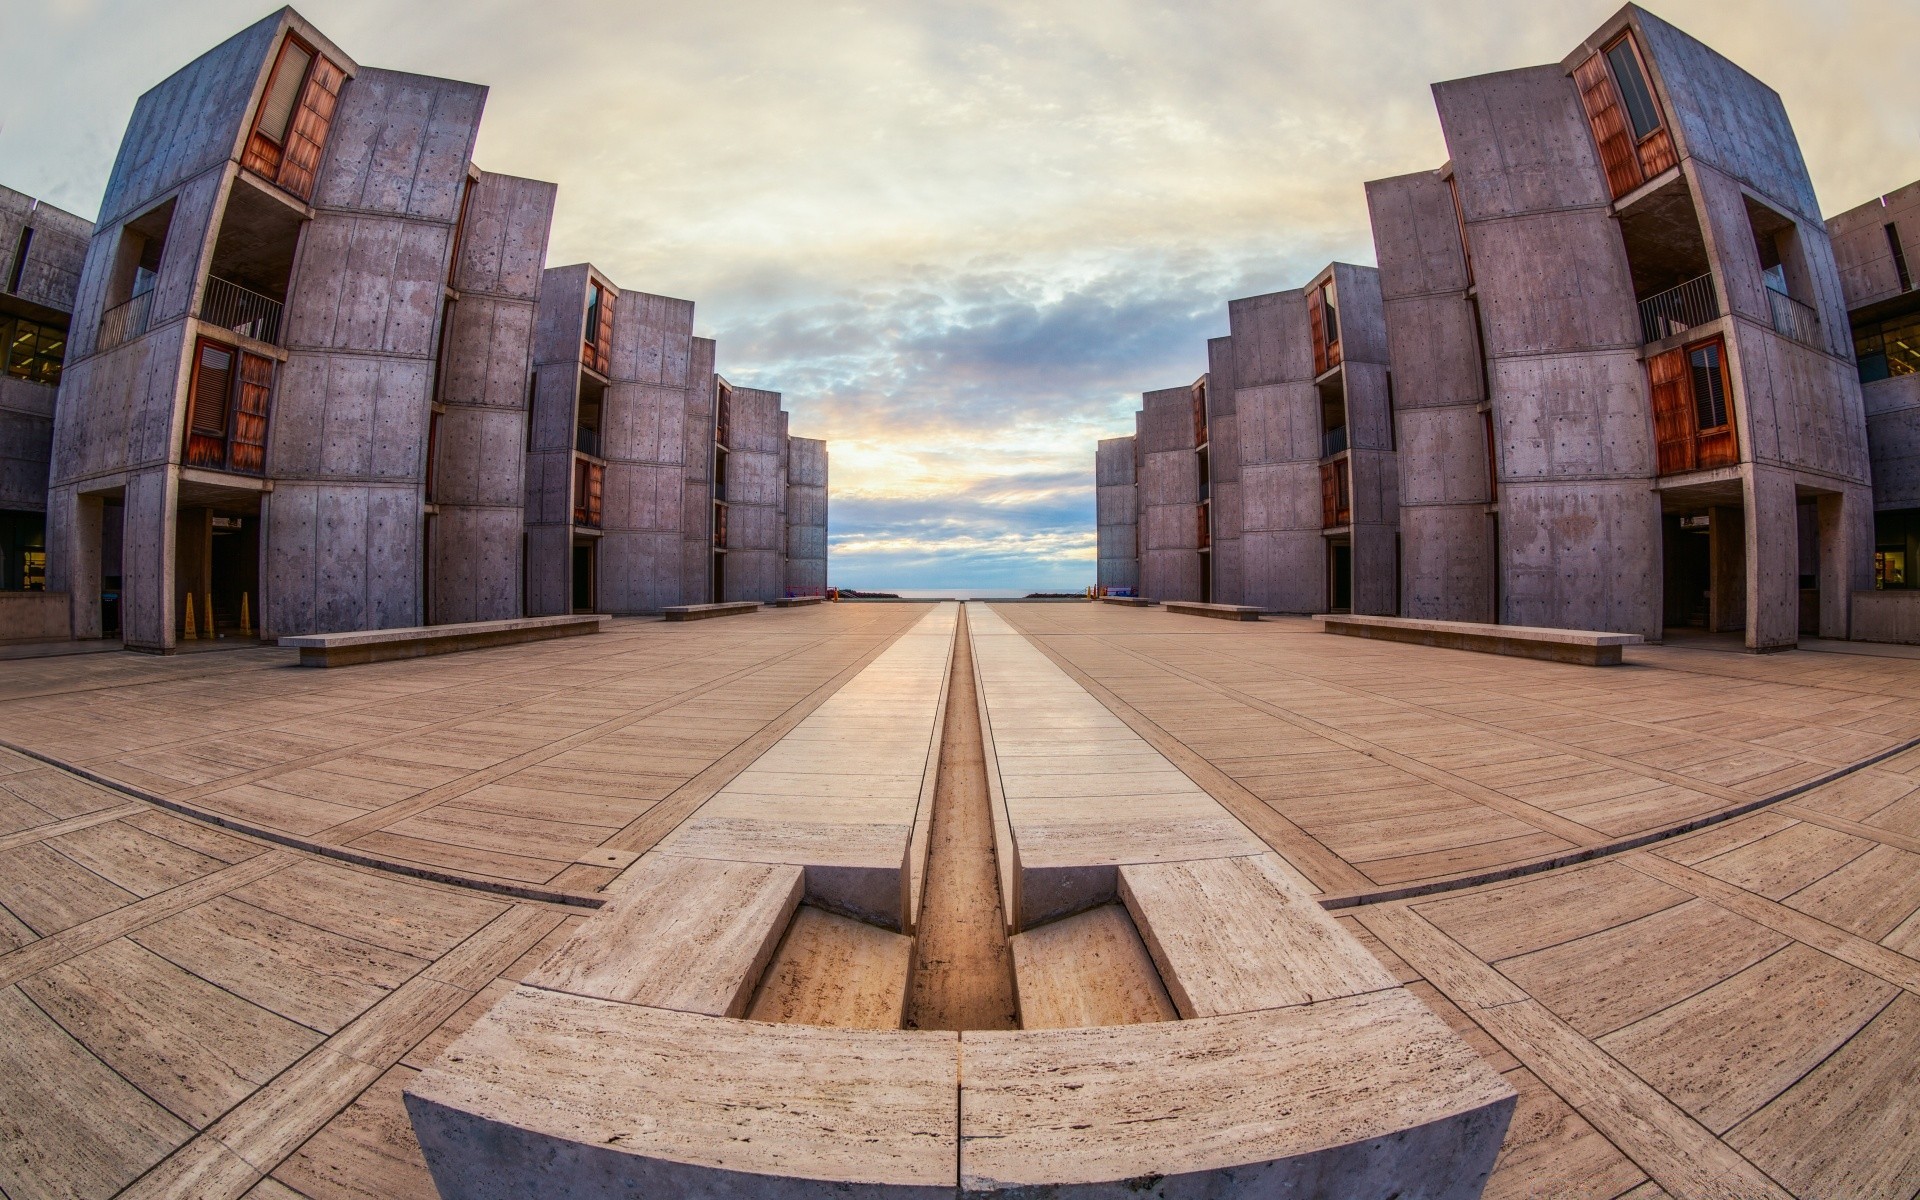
x,y
1299,1066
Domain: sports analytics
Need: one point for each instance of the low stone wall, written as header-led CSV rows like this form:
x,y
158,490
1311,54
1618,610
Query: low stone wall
x,y
35,617
1891,616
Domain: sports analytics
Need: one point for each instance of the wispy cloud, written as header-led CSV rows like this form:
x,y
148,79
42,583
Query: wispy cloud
x,y
961,236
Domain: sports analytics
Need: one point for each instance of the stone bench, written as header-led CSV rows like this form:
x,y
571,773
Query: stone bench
x,y
1131,601
1581,646
700,612
1225,612
382,645
795,601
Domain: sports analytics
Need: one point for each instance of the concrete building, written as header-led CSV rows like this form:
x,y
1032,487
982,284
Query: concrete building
x,y
300,394
806,517
1117,512
1624,267
257,376
1874,246
41,252
1269,481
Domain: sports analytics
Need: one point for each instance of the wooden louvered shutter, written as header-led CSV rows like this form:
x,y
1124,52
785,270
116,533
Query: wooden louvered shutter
x,y
1205,536
249,448
1200,414
311,122
1674,432
1329,496
209,396
596,476
1718,445
1609,121
603,336
1317,318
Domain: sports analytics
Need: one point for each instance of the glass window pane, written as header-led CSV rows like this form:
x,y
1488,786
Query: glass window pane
x,y
1633,89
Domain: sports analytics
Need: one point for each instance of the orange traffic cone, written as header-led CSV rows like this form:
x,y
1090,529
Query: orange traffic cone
x,y
192,634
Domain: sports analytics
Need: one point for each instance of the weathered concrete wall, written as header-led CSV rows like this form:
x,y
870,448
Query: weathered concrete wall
x,y
26,444
1579,521
1169,483
56,254
1223,468
1893,431
696,486
1864,256
559,324
1887,616
806,517
1366,378
643,439
1117,513
1277,415
1447,552
33,617
344,533
756,532
477,534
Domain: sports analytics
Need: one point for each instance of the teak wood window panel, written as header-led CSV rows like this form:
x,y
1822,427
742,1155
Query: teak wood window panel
x,y
596,347
1324,316
1630,154
1692,408
719,526
1336,494
227,402
588,477
291,122
1199,414
1204,535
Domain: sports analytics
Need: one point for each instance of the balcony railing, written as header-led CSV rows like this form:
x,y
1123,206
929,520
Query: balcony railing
x,y
1794,319
1333,441
1678,309
586,440
242,310
124,322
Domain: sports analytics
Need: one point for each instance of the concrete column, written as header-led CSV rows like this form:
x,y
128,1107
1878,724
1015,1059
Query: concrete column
x,y
1773,560
73,556
1846,557
1727,569
147,614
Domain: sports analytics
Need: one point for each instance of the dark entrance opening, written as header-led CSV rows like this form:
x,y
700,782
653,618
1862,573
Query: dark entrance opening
x,y
1688,563
719,578
235,569
583,578
1340,577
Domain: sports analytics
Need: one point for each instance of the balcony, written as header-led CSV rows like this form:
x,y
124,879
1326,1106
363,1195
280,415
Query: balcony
x,y
1678,309
246,312
1333,441
124,322
586,440
1793,319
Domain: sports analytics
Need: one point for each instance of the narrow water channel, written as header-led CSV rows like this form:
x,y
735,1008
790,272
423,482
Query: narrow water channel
x,y
962,968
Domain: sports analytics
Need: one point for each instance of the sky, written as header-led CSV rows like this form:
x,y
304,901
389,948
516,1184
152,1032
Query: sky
x,y
960,236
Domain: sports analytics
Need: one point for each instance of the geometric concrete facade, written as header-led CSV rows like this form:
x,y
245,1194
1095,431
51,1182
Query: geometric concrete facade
x,y
806,517
42,250
1117,501
1876,247
298,393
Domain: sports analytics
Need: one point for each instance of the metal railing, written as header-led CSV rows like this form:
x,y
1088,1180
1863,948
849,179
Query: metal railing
x,y
242,310
1794,319
586,440
124,322
1333,441
1678,309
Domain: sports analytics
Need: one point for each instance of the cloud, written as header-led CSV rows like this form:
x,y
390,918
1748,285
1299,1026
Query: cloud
x,y
962,236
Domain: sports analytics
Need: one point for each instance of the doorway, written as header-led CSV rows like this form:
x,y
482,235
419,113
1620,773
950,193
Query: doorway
x,y
235,569
583,581
1340,576
1687,559
719,577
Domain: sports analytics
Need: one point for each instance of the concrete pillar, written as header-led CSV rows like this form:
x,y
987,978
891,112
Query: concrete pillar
x,y
1773,560
147,614
73,556
1846,557
1727,570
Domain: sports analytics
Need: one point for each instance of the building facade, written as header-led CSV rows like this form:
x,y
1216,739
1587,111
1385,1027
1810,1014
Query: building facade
x,y
318,378
42,250
1270,481
1876,247
1117,514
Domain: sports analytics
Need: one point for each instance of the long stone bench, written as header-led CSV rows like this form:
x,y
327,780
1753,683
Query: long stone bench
x,y
1584,647
700,612
1131,601
1297,1065
382,645
795,601
1225,612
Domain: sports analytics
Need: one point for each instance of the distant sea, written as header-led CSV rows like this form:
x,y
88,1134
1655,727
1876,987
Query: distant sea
x,y
963,593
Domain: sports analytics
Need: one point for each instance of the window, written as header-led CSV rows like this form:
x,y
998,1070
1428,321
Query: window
x,y
34,350
1709,386
290,126
1893,243
25,244
1324,319
597,337
1887,348
1889,569
1625,118
227,409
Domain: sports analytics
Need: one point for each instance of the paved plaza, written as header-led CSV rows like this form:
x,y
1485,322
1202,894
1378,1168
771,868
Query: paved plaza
x,y
219,975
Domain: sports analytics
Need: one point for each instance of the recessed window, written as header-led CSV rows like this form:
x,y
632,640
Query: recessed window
x,y
1888,348
1641,113
34,350
1709,386
1899,257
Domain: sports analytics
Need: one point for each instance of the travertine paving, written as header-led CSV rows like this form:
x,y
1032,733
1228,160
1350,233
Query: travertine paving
x,y
1732,1012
